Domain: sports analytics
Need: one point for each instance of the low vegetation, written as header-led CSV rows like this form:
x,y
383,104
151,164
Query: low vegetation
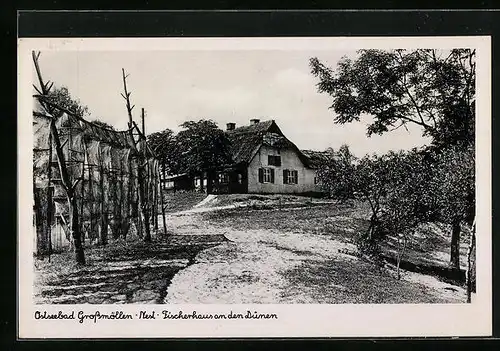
x,y
342,221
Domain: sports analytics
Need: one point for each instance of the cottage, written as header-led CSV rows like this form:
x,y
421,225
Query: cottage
x,y
265,161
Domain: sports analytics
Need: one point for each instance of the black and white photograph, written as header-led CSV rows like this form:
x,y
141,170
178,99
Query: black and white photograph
x,y
310,174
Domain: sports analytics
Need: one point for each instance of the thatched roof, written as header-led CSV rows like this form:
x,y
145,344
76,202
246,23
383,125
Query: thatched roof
x,y
316,158
246,140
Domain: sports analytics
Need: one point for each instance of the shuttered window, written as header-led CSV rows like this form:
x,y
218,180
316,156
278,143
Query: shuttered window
x,y
290,176
266,175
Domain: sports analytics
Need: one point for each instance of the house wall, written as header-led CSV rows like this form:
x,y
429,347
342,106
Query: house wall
x,y
289,160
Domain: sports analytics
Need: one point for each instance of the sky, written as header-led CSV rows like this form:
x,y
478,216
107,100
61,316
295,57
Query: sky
x,y
225,86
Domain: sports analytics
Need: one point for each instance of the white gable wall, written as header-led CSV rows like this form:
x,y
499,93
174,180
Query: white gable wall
x,y
290,161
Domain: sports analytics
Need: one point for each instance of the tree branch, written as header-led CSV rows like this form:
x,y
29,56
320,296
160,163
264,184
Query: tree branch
x,y
405,86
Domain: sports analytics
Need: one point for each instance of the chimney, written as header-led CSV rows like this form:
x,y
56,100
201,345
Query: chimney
x,y
230,126
254,121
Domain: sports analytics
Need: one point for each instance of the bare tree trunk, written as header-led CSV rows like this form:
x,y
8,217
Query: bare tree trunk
x,y
49,200
104,215
75,231
401,254
163,211
470,250
162,181
121,202
39,222
455,245
154,181
82,195
70,193
143,204
92,204
130,187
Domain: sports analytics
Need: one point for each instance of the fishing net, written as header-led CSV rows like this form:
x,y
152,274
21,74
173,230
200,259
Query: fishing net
x,y
105,169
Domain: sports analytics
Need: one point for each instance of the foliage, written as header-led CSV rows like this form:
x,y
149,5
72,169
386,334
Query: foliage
x,y
368,179
164,144
203,147
200,147
370,182
453,184
407,202
433,89
336,173
62,97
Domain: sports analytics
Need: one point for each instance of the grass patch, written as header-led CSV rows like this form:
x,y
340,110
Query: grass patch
x,y
427,253
338,220
337,281
119,272
182,200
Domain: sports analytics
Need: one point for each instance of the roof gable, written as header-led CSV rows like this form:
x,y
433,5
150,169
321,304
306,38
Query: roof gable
x,y
247,140
316,158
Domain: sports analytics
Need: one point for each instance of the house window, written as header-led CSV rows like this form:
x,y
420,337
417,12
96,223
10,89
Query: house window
x,y
274,160
266,175
290,177
223,178
315,180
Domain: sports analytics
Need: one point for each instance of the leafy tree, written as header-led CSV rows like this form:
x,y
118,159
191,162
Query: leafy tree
x,y
370,183
406,203
433,89
453,188
337,171
62,98
367,179
164,144
203,148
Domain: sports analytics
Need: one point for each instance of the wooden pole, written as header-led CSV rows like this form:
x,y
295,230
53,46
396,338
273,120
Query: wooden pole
x,y
470,249
155,198
130,185
143,124
49,199
92,202
142,176
127,98
82,202
163,210
144,179
104,216
39,224
121,191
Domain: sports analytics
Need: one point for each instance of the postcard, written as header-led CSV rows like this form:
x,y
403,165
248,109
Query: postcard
x,y
254,187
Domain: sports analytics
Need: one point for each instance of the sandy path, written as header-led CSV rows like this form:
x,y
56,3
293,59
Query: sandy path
x,y
255,265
